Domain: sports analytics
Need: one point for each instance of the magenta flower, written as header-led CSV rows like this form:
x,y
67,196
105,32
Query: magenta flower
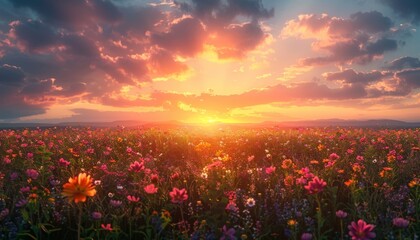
x,y
400,222
136,166
316,185
270,170
228,234
178,195
361,230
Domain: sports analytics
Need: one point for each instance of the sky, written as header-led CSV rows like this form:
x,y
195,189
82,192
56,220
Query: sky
x,y
205,61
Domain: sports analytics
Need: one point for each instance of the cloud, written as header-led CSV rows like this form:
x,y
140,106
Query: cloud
x,y
229,37
162,63
359,39
235,40
410,76
403,62
225,11
351,76
185,37
74,14
32,35
405,8
11,75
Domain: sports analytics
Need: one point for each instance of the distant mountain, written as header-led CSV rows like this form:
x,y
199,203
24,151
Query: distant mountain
x,y
376,123
388,123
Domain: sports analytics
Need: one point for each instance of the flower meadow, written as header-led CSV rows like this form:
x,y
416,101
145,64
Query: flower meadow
x,y
197,183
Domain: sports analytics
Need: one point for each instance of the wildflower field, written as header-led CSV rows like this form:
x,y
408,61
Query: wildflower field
x,y
193,183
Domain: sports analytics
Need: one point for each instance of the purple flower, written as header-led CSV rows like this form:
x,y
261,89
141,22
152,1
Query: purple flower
x,y
400,222
228,234
115,203
96,215
306,236
14,176
21,203
361,230
341,214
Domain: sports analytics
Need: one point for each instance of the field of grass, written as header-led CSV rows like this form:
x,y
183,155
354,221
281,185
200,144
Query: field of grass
x,y
120,183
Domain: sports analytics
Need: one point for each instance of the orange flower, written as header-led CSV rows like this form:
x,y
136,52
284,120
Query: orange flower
x,y
78,188
287,163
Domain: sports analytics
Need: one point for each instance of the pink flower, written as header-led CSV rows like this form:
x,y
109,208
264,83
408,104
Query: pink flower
x,y
316,185
333,156
178,195
136,166
361,230
231,206
400,222
63,162
150,189
7,160
32,173
270,170
341,214
133,198
106,227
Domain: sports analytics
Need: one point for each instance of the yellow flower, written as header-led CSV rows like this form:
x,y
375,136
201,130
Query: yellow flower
x,y
78,188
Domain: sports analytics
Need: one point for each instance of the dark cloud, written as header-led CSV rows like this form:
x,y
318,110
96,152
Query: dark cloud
x,y
250,8
405,8
225,11
234,41
33,35
372,22
351,76
71,14
185,37
381,46
403,62
80,45
411,77
353,51
11,75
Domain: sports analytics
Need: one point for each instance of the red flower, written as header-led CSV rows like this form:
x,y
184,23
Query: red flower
x,y
178,195
106,226
133,198
316,185
150,189
361,230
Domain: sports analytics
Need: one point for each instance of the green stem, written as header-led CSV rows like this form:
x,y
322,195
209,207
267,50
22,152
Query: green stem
x,y
341,229
79,221
319,217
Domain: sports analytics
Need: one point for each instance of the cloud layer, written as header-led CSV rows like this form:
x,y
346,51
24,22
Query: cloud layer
x,y
56,53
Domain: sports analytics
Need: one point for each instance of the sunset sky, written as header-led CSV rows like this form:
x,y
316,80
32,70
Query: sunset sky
x,y
206,61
